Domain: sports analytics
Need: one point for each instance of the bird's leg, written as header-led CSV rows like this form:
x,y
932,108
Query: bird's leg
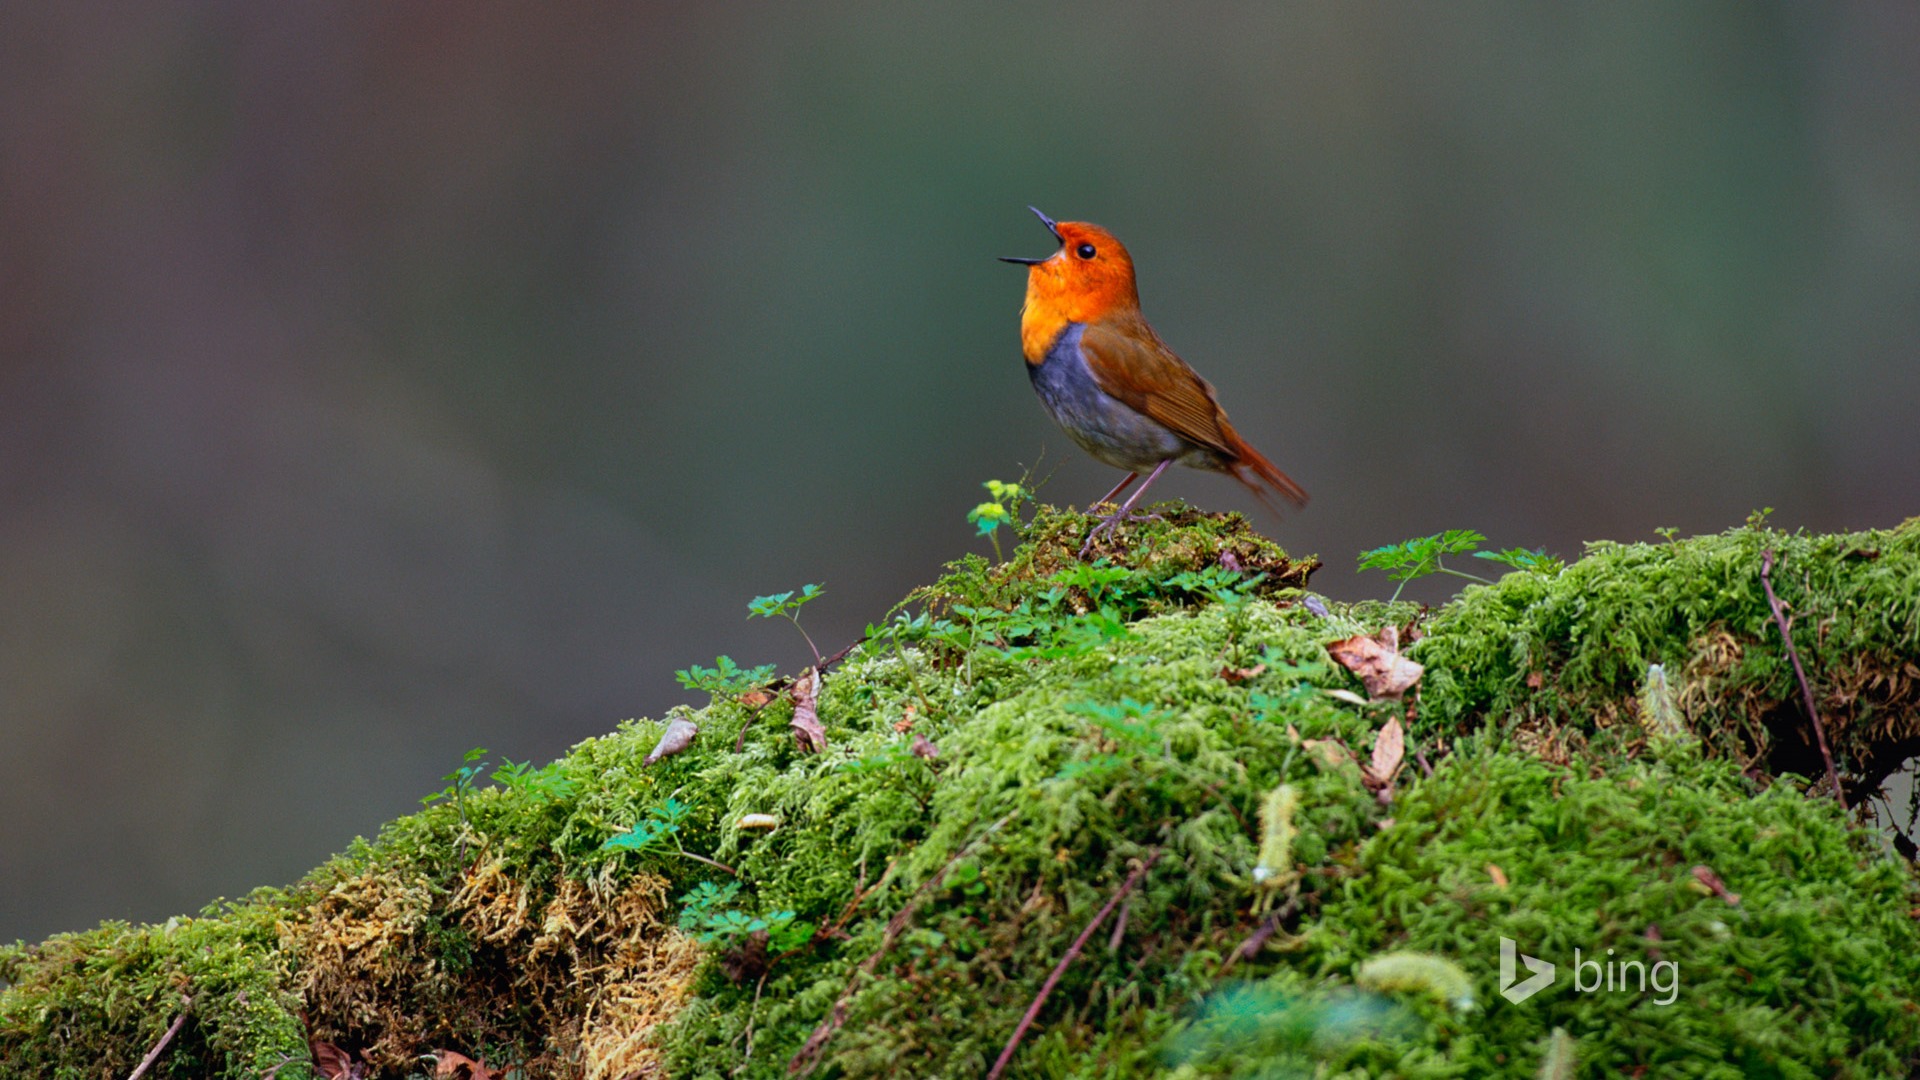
x,y
1125,513
1125,483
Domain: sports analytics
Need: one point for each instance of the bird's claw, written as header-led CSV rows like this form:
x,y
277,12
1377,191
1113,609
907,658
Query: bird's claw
x,y
1112,522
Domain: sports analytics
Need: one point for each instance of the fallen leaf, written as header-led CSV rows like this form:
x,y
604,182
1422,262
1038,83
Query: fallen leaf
x,y
334,1063
1329,754
1713,883
758,821
1347,696
1242,674
1498,875
756,699
807,732
1535,680
456,1066
905,723
1377,661
924,749
1389,747
678,736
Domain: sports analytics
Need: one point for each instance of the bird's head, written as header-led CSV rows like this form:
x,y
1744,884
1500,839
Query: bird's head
x,y
1088,277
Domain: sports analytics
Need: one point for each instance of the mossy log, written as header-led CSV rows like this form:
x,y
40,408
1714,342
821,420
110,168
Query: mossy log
x,y
1161,736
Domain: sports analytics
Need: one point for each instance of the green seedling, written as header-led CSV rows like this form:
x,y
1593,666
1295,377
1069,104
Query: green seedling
x,y
787,605
1002,509
1419,557
724,678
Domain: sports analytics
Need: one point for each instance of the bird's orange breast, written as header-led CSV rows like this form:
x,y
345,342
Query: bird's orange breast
x,y
1068,288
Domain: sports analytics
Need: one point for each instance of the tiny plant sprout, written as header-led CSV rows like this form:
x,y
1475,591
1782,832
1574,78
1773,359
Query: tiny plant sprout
x,y
787,605
1003,508
1421,556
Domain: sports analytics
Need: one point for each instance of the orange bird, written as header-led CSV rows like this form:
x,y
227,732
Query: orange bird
x,y
1108,379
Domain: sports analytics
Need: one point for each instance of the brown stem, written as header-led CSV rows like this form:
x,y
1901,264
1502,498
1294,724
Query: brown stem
x,y
1806,691
1059,969
160,1047
1120,926
710,862
809,1053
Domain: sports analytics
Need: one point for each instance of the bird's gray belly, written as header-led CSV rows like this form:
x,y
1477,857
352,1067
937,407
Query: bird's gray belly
x,y
1101,424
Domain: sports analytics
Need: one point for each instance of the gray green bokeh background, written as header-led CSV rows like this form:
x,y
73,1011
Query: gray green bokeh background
x,y
381,381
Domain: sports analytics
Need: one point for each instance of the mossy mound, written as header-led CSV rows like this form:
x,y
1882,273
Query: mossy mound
x,y
1162,737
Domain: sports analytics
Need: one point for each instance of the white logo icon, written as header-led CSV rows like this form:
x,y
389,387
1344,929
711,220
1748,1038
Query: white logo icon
x,y
1542,973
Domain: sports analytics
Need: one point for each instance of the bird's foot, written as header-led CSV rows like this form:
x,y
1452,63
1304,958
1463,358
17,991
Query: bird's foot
x,y
1109,523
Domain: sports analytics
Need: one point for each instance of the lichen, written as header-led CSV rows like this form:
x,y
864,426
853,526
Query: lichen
x,y
1021,738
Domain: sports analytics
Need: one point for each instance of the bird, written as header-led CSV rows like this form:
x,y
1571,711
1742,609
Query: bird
x,y
1116,389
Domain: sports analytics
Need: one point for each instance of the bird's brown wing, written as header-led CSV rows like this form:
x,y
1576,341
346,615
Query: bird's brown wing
x,y
1133,365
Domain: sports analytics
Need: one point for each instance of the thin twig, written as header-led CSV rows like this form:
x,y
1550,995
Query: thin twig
x,y
153,1055
1120,926
748,1033
809,1053
1806,691
709,862
1059,969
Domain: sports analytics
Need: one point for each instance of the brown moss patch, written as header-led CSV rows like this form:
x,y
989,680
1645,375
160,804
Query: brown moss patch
x,y
560,976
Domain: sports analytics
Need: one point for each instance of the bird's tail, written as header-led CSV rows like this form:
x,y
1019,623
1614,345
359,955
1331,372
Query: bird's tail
x,y
1266,478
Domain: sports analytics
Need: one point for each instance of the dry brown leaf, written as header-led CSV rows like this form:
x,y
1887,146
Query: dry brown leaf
x,y
1535,680
1389,747
334,1063
756,699
1498,875
456,1066
1242,674
905,723
808,734
678,736
1377,661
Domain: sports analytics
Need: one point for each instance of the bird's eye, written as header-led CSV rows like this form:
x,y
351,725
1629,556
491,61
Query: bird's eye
x,y
1085,251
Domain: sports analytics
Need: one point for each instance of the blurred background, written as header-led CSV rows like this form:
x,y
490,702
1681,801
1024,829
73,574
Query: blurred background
x,y
382,381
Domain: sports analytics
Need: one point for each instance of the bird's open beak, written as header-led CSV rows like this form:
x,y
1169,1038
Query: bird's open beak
x,y
1051,227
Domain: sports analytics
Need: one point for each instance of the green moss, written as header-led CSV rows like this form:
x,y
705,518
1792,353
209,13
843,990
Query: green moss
x,y
91,1004
1084,721
1573,648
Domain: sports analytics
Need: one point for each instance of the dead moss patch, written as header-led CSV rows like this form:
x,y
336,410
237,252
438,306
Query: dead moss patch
x,y
561,976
